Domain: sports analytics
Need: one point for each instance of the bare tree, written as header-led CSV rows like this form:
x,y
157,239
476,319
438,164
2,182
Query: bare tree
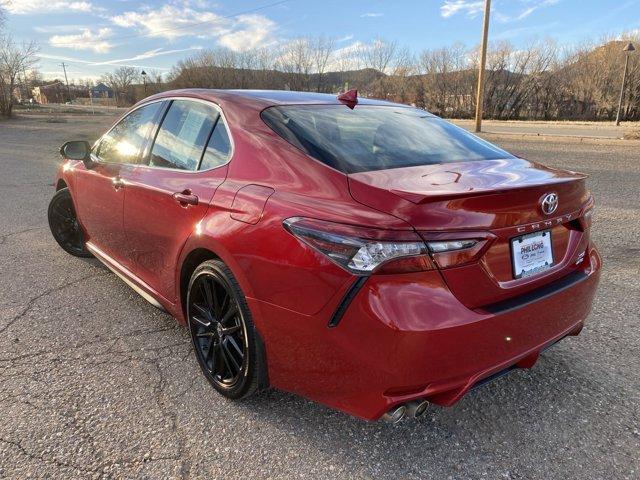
x,y
121,82
379,54
538,80
322,50
297,59
14,61
448,80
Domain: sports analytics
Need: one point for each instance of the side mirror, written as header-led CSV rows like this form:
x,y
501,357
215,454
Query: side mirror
x,y
77,150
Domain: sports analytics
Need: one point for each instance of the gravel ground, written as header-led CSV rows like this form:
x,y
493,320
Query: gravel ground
x,y
94,382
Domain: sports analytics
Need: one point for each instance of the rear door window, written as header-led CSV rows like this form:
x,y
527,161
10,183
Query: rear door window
x,y
218,148
183,134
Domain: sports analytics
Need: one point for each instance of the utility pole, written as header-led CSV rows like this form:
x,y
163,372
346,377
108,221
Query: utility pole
x,y
64,68
483,62
627,51
25,82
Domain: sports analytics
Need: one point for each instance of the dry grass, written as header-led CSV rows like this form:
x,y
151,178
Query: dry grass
x,y
633,134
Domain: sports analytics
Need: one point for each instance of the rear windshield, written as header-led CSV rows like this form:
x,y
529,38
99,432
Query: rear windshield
x,y
376,137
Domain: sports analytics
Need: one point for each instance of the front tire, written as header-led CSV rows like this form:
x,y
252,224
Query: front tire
x,y
64,224
225,341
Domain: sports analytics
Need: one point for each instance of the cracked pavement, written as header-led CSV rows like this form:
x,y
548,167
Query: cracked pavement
x,y
96,383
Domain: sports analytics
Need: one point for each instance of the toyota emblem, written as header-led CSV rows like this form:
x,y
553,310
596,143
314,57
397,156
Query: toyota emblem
x,y
549,203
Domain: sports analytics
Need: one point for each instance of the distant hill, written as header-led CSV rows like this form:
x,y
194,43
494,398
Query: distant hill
x,y
545,83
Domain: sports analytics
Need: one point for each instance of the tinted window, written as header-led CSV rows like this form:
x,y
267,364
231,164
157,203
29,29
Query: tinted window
x,y
218,148
182,135
376,137
124,142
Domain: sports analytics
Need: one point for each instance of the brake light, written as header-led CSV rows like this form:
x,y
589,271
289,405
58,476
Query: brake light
x,y
362,250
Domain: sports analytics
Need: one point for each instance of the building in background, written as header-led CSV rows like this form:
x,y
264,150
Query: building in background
x,y
101,91
55,92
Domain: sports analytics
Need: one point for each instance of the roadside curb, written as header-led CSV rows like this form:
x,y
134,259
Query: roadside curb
x,y
564,138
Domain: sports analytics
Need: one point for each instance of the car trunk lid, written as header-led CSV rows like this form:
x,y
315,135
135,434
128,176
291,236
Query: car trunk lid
x,y
498,200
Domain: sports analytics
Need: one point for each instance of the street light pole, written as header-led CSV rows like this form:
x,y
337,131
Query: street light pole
x,y
483,62
627,53
144,81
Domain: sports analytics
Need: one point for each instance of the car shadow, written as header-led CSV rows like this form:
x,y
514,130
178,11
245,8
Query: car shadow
x,y
525,407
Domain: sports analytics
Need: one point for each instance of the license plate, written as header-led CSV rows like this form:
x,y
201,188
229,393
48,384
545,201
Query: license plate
x,y
531,254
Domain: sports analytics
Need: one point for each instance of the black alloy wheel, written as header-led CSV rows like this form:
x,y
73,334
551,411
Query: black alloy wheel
x,y
222,331
64,224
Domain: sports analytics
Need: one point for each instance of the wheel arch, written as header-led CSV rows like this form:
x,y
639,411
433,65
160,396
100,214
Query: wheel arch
x,y
192,259
61,184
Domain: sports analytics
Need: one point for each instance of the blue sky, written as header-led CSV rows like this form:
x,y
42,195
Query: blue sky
x,y
96,36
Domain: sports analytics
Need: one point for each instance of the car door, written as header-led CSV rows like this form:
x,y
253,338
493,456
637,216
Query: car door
x,y
168,196
100,189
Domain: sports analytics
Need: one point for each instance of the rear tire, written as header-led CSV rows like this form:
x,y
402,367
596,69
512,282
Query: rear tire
x,y
64,225
226,344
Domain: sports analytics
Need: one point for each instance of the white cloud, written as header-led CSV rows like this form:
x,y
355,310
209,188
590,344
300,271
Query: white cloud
x,y
348,57
473,7
48,56
180,19
59,28
526,13
371,15
470,7
86,40
156,52
171,21
346,38
249,32
535,6
79,61
24,7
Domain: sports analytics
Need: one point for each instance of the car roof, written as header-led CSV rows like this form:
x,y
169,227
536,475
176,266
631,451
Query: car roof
x,y
287,97
266,98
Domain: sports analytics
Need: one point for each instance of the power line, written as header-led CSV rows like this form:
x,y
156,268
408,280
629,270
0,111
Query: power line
x,y
189,25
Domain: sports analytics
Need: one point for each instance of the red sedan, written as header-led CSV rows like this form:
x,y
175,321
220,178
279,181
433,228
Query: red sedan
x,y
364,254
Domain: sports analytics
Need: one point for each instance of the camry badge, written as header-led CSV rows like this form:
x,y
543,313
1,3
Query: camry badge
x,y
549,203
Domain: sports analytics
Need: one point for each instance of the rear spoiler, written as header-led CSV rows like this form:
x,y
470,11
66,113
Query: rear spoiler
x,y
420,198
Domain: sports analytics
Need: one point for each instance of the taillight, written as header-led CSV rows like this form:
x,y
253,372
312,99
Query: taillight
x,y
586,219
363,250
451,245
451,250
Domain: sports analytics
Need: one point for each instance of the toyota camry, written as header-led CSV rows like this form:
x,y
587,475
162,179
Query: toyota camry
x,y
364,254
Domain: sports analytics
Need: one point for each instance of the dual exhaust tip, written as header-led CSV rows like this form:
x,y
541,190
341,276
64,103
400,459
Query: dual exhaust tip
x,y
414,409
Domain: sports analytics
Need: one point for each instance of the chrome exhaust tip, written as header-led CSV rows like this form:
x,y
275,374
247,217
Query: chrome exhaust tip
x,y
417,408
394,415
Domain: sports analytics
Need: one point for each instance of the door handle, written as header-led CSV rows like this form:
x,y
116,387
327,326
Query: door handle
x,y
117,183
186,198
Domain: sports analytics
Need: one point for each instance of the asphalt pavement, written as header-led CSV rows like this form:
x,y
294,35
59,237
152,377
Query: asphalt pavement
x,y
96,383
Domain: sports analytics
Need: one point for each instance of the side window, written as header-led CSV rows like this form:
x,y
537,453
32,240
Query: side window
x,y
218,148
124,142
182,135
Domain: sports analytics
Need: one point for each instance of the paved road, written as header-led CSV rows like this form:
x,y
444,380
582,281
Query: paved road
x,y
563,129
94,382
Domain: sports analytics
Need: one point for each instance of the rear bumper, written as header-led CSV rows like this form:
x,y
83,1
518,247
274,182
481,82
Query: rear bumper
x,y
405,337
